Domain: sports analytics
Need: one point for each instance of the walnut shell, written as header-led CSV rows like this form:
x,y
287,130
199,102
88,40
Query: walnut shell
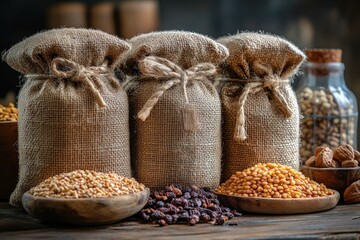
x,y
343,153
349,163
357,155
325,159
310,162
318,150
352,193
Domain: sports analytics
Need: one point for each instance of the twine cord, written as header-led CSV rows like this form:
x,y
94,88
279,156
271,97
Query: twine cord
x,y
162,69
66,69
271,83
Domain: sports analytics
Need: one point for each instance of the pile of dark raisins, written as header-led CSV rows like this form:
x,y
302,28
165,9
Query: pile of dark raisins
x,y
190,205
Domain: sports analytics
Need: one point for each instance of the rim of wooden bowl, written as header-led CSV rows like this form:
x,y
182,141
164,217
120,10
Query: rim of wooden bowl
x,y
330,169
83,199
281,199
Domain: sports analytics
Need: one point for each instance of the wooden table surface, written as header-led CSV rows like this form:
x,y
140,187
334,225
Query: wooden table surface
x,y
342,222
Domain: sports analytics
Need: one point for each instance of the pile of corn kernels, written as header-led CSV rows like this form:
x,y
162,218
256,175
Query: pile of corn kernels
x,y
86,184
272,180
9,113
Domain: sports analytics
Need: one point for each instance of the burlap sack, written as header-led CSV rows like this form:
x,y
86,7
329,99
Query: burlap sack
x,y
260,111
175,109
73,112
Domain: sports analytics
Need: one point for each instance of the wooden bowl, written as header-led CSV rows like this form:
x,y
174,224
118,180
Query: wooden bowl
x,y
85,211
279,205
334,178
9,162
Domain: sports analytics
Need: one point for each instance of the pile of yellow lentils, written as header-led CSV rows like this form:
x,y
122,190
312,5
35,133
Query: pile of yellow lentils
x,y
9,113
272,180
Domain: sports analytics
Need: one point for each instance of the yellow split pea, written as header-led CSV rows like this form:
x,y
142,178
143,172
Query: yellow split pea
x,y
273,181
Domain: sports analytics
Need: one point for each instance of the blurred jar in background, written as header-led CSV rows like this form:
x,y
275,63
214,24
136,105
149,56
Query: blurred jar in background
x,y
138,16
67,14
102,17
329,108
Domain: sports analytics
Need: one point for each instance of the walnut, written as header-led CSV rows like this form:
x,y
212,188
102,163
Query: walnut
x,y
352,193
343,153
357,155
310,162
325,159
349,163
318,150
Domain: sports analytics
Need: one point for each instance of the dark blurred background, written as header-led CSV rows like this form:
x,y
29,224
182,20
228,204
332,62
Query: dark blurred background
x,y
307,23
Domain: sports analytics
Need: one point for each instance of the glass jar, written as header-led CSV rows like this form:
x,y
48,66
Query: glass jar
x,y
329,108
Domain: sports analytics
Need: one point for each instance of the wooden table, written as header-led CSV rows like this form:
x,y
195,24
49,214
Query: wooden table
x,y
342,222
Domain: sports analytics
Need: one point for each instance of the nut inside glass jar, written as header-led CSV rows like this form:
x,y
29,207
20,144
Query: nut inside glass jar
x,y
328,107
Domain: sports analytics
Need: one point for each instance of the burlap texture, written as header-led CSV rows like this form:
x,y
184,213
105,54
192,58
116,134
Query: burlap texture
x,y
255,77
185,49
163,151
62,126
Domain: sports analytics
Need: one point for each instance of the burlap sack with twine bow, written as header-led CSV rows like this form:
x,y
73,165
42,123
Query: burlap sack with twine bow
x,y
73,112
175,109
260,111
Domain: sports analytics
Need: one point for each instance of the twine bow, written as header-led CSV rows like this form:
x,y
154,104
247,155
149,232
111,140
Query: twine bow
x,y
72,71
64,68
272,84
162,69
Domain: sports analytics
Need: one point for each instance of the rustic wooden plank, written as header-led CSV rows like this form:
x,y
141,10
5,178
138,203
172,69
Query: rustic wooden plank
x,y
342,222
